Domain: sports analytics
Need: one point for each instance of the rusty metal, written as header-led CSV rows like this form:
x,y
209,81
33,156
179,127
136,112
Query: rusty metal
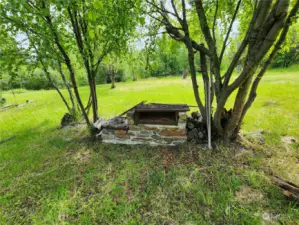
x,y
162,107
155,113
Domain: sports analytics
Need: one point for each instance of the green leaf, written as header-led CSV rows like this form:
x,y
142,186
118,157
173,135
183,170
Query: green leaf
x,y
98,4
92,15
142,20
91,34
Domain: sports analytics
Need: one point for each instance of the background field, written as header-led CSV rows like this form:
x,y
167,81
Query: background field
x,y
49,175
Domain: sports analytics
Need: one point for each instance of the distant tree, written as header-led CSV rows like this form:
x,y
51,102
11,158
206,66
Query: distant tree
x,y
165,57
112,66
289,52
12,58
185,74
264,26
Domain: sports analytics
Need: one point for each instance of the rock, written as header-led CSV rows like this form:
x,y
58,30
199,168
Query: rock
x,y
67,119
121,133
182,126
192,135
140,139
195,115
172,132
180,142
137,127
156,137
130,121
144,133
107,131
201,135
151,128
256,136
288,140
190,125
182,116
2,101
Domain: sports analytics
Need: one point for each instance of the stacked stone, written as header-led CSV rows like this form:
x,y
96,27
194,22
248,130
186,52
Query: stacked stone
x,y
148,134
196,129
182,121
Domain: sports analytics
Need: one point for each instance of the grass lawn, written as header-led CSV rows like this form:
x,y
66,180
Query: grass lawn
x,y
58,176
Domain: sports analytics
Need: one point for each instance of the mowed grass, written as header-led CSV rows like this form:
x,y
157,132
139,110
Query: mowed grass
x,y
54,176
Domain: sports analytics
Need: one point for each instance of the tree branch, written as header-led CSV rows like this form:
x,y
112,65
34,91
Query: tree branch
x,y
252,94
242,47
211,44
214,21
229,30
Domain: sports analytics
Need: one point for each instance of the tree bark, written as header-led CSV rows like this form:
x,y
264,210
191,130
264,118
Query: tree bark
x,y
69,66
67,86
55,87
268,20
86,56
48,75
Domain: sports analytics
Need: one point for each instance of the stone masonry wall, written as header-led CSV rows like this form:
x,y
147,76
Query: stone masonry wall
x,y
148,134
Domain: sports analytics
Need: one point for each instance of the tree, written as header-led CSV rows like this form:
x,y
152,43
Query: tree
x,y
262,38
100,28
289,52
88,30
12,58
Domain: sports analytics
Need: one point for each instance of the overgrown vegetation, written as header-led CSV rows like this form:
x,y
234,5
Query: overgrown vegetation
x,y
62,37
48,175
56,53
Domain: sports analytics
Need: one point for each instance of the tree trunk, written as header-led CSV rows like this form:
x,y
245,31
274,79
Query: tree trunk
x,y
56,88
269,18
67,86
77,94
87,57
70,68
134,77
112,76
112,81
51,81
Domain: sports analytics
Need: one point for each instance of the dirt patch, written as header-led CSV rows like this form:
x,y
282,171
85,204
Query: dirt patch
x,y
270,103
255,136
288,140
249,195
83,157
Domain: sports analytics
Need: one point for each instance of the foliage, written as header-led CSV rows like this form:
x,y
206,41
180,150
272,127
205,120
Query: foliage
x,y
59,31
51,176
289,53
168,57
195,25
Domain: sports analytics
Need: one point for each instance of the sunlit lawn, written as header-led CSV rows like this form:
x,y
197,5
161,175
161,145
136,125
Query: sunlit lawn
x,y
279,118
52,176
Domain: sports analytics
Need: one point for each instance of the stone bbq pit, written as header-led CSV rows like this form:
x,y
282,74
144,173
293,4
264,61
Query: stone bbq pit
x,y
151,124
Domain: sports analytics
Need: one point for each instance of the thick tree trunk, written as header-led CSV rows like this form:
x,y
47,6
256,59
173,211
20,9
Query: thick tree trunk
x,y
230,129
268,20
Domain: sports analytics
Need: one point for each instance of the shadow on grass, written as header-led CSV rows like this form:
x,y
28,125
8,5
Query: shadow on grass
x,y
78,182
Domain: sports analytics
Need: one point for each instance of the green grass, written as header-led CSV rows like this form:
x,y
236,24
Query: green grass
x,y
53,176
